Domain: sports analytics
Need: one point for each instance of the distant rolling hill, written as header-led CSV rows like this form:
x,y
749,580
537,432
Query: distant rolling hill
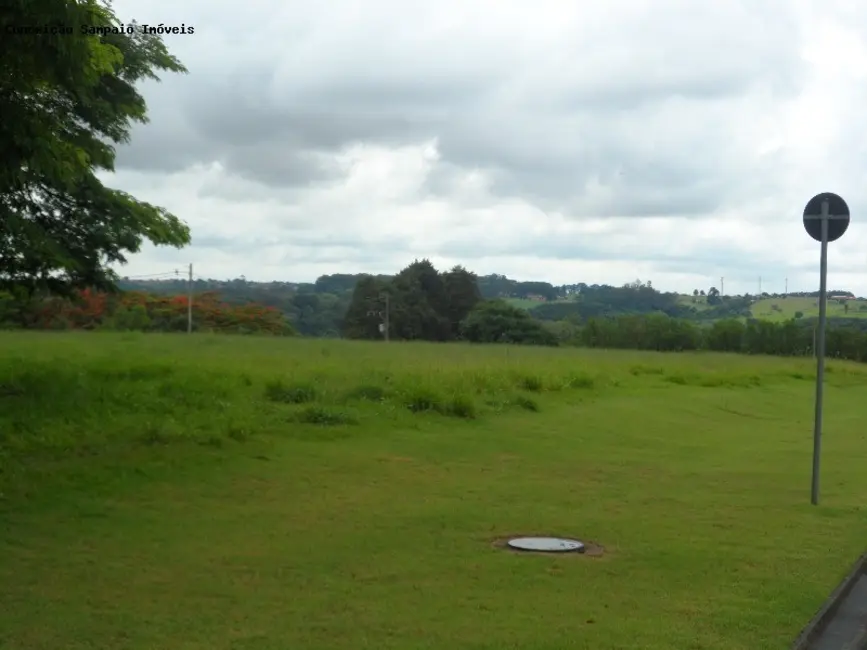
x,y
771,309
779,309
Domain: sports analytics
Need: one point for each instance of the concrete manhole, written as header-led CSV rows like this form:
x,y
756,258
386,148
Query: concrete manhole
x,y
546,544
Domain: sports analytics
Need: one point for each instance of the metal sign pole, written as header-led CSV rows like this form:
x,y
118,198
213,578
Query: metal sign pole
x,y
826,219
820,356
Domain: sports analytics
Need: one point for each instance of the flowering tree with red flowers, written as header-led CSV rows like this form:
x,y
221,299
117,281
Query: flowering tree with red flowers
x,y
135,310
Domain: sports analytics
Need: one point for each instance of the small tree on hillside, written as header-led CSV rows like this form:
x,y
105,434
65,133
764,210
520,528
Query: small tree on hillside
x,y
713,297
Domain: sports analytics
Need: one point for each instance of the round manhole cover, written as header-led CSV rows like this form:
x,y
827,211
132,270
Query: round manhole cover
x,y
546,544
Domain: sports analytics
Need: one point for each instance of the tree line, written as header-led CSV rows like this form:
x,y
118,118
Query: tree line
x,y
845,339
320,308
425,304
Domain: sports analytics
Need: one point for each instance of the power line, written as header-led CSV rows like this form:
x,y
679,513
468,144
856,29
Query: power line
x,y
176,275
153,276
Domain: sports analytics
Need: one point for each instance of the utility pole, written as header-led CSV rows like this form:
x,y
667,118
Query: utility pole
x,y
760,286
190,302
385,325
722,286
387,309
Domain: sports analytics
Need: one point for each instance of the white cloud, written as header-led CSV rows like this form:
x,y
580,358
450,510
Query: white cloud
x,y
673,141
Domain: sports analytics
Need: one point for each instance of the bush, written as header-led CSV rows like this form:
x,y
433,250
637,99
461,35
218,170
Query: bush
x,y
526,403
324,416
581,381
422,399
531,383
461,407
301,393
496,321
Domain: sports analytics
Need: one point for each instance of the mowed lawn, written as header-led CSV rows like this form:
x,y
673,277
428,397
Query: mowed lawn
x,y
235,493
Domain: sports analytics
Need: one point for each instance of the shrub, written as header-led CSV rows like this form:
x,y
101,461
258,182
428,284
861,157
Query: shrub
x,y
531,383
324,416
495,321
301,393
460,406
526,403
422,399
581,381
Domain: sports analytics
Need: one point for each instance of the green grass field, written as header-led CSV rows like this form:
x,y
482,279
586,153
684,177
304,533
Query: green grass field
x,y
764,310
524,303
239,493
697,302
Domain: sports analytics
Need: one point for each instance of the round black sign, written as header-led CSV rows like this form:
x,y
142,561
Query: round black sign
x,y
838,216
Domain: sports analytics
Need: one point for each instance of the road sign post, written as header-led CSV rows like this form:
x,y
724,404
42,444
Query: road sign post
x,y
826,218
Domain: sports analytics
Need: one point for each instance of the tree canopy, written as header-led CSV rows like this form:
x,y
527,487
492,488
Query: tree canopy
x,y
67,96
423,304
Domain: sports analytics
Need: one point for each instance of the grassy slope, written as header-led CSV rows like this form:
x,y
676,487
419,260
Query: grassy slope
x,y
809,306
166,502
699,302
524,303
762,309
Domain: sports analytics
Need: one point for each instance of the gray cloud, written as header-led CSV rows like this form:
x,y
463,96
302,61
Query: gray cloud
x,y
280,167
604,108
673,108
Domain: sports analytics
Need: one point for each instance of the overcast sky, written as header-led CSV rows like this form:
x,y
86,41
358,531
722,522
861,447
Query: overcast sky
x,y
675,141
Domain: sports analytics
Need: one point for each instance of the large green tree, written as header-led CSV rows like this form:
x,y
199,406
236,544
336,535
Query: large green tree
x,y
67,96
420,304
424,304
462,292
